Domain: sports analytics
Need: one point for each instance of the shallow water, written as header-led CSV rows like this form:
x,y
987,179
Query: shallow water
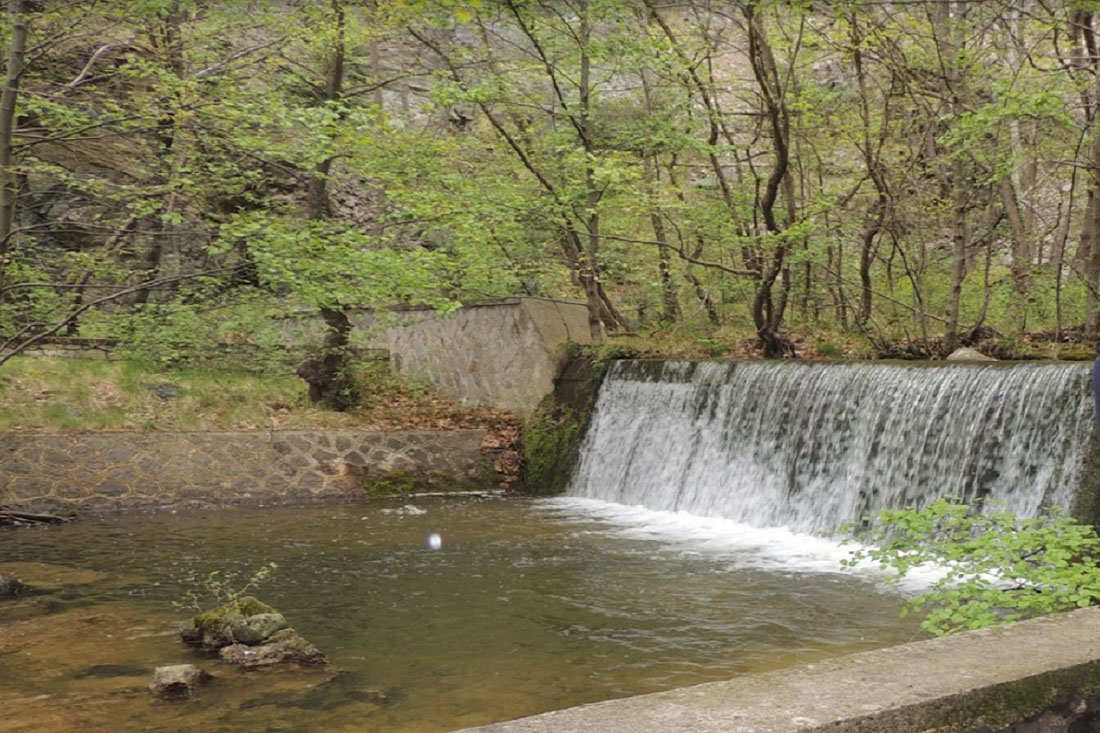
x,y
527,607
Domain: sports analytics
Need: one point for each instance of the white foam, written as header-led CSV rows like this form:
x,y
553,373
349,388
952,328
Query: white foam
x,y
772,549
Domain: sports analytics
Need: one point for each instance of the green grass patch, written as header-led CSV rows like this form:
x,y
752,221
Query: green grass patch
x,y
71,395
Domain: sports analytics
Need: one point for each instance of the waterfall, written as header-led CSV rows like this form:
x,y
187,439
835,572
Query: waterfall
x,y
811,446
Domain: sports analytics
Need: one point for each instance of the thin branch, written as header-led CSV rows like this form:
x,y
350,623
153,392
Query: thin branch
x,y
681,253
20,347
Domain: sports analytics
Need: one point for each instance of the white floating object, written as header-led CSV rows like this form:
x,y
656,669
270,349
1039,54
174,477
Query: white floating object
x,y
435,542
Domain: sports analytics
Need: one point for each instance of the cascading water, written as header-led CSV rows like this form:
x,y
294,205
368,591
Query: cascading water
x,y
811,446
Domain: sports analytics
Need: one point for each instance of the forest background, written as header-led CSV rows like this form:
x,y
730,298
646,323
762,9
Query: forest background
x,y
838,177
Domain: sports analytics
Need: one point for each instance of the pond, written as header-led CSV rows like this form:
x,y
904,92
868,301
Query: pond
x,y
526,606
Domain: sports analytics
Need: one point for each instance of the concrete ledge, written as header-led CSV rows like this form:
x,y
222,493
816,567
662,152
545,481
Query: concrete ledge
x,y
1037,676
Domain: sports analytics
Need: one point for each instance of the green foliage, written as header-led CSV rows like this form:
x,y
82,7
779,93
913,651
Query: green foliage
x,y
712,346
190,140
225,589
244,335
998,567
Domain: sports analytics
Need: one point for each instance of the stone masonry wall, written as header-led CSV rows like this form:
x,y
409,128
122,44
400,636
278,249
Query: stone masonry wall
x,y
503,354
107,471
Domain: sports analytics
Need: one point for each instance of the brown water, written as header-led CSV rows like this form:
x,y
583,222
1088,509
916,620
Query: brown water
x,y
524,609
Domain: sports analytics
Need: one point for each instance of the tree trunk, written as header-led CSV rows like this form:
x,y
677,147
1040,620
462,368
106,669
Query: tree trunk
x,y
330,376
590,264
670,310
949,42
9,186
167,39
876,216
768,305
330,382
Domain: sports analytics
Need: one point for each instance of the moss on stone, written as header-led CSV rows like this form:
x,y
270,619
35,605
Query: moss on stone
x,y
1086,502
996,709
551,443
393,483
218,618
400,482
1076,353
551,438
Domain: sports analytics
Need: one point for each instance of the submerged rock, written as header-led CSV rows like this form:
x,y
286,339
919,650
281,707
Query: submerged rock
x,y
10,587
177,681
283,647
44,576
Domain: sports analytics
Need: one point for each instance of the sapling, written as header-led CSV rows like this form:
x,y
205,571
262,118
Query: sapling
x,y
224,588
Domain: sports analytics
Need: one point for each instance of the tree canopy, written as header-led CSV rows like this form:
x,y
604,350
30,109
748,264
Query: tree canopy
x,y
913,173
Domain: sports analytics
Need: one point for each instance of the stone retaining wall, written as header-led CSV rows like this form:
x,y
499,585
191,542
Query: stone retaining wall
x,y
107,471
504,354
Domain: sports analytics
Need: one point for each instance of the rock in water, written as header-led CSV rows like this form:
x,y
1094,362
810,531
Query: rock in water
x,y
215,628
250,633
965,354
10,587
177,681
284,647
257,628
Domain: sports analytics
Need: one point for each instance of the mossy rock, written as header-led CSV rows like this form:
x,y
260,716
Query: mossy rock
x,y
218,618
551,441
219,627
257,628
283,647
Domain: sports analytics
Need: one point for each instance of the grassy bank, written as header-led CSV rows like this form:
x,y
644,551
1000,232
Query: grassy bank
x,y
53,394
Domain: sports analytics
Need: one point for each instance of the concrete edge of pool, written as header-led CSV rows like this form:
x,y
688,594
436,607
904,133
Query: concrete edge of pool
x,y
1036,676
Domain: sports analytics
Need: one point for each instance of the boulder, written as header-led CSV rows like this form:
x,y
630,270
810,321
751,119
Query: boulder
x,y
215,628
191,634
177,681
10,587
250,633
967,354
283,647
165,390
256,629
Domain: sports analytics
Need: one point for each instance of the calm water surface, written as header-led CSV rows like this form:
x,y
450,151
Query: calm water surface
x,y
527,607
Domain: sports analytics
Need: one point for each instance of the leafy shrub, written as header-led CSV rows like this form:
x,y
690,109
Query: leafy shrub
x,y
238,336
999,567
